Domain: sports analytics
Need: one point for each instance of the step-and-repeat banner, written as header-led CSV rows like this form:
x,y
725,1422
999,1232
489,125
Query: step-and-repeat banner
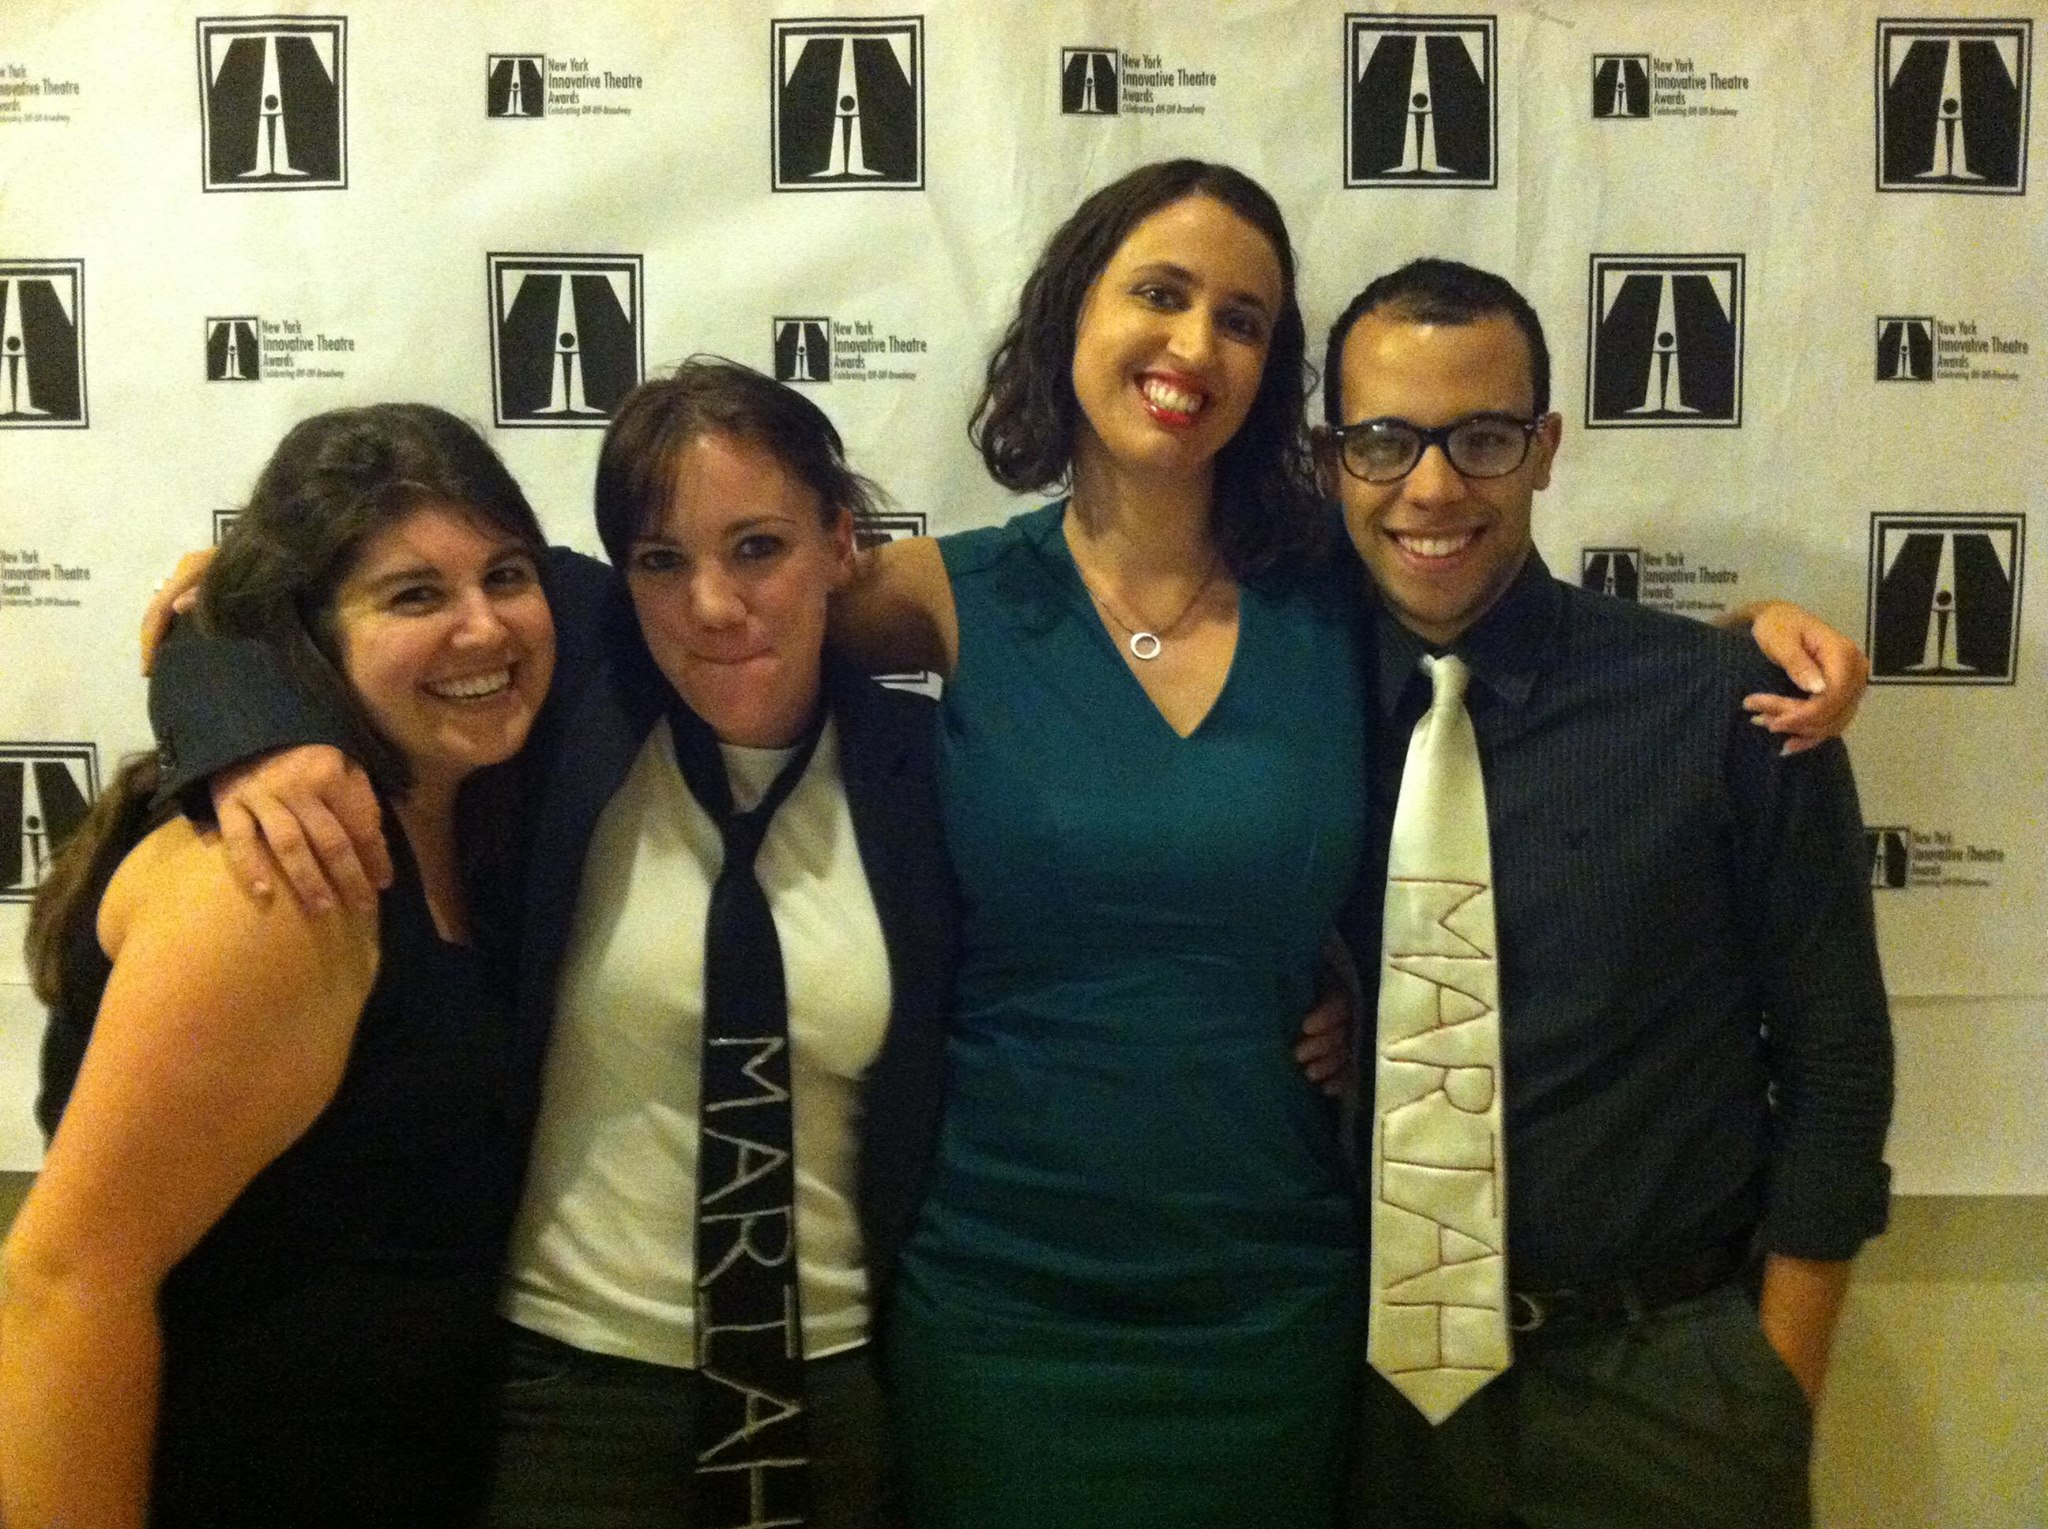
x,y
1790,261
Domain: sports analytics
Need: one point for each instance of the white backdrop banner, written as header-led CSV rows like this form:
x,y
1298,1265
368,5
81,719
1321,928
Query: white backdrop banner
x,y
1790,260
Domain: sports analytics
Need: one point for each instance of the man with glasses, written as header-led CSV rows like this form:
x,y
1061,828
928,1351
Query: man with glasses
x,y
1694,1048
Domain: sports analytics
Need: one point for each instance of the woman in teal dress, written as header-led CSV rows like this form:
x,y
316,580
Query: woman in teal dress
x,y
1131,1298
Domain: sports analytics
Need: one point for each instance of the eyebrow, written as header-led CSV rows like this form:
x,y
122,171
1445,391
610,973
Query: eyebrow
x,y
412,572
1182,273
738,528
405,575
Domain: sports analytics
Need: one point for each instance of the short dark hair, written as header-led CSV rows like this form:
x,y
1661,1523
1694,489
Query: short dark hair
x,y
1433,291
1027,418
636,466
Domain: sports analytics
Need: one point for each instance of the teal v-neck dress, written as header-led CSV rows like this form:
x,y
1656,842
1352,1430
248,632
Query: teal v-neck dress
x,y
1131,1297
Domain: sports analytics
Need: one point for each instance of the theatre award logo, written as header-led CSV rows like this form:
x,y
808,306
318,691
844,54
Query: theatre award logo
x,y
848,104
566,338
42,344
273,103
1952,105
1621,87
1616,571
45,789
1905,348
233,350
1664,342
1090,81
1904,858
803,349
1889,849
515,85
1945,599
1420,104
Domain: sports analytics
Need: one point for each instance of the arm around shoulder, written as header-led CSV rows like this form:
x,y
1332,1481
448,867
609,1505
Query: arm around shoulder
x,y
897,612
1828,666
222,1034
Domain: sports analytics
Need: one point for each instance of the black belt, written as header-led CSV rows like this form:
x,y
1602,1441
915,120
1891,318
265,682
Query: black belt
x,y
1628,1297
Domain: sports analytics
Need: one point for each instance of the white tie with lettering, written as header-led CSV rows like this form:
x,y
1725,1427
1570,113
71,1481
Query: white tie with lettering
x,y
1438,1317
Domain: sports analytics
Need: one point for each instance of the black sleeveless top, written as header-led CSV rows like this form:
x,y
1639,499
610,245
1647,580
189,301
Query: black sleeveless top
x,y
329,1344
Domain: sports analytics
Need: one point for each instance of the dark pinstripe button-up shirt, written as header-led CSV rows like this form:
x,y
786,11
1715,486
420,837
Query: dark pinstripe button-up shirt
x,y
1695,1035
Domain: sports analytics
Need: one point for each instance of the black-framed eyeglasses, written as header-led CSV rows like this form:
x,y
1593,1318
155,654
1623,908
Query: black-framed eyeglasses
x,y
1479,445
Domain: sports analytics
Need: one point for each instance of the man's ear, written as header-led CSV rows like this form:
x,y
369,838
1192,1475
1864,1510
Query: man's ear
x,y
1323,445
1549,433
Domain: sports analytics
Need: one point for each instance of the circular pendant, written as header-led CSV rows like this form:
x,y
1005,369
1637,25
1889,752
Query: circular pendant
x,y
1144,646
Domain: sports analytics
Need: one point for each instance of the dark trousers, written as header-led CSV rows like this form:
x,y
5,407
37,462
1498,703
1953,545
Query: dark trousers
x,y
1685,1419
588,1441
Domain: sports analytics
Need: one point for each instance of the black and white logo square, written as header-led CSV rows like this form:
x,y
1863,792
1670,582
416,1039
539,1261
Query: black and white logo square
x,y
1621,86
1945,599
515,85
848,98
1091,81
233,351
1420,104
1952,105
1616,571
42,344
803,349
273,102
1664,341
1905,348
1890,848
566,338
45,789
224,522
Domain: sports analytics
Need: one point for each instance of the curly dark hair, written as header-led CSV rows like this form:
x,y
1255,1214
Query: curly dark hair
x,y
636,465
1266,512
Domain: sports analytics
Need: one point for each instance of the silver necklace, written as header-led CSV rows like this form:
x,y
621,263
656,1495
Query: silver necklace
x,y
1145,645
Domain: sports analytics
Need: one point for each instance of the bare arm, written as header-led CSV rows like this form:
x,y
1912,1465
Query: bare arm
x,y
1802,1298
1828,666
221,1036
898,613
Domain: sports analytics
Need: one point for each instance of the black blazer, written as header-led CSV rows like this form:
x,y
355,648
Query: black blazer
x,y
214,702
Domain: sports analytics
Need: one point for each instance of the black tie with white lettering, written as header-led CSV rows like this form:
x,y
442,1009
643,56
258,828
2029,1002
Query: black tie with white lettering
x,y
751,1446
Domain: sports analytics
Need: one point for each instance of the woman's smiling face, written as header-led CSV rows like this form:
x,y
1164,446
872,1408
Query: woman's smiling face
x,y
446,639
1172,339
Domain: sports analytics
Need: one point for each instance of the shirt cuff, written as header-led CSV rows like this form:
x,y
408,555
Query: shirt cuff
x,y
1826,1207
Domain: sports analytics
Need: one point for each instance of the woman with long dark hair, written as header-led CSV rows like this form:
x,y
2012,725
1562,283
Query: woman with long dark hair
x,y
1131,1294
253,1282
